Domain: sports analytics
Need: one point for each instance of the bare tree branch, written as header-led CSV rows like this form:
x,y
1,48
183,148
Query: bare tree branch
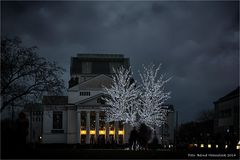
x,y
24,74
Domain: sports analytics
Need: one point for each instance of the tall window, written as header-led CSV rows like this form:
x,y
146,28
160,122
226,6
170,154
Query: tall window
x,y
120,125
83,120
83,126
92,120
57,120
101,121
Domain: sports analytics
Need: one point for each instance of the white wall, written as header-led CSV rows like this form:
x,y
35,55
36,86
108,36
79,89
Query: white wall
x,y
48,136
71,126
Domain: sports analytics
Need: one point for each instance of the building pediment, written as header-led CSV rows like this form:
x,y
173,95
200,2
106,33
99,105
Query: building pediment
x,y
94,83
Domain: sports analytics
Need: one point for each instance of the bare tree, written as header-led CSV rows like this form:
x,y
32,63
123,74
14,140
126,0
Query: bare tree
x,y
25,75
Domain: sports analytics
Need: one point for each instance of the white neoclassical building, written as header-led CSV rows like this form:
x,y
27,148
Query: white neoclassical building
x,y
79,117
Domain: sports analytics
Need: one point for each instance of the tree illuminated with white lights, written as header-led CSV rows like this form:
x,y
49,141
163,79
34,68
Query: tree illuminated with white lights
x,y
123,100
153,95
136,105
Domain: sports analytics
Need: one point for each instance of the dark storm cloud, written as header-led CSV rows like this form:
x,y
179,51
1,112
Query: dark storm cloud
x,y
197,42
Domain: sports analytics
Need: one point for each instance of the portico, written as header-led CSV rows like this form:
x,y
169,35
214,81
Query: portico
x,y
92,129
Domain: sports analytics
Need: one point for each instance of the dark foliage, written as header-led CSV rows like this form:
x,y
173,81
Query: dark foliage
x,y
133,139
144,136
14,133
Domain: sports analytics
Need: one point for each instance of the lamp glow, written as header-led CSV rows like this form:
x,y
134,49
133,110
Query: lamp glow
x,y
83,132
238,145
120,132
202,145
101,132
92,132
111,132
226,146
209,145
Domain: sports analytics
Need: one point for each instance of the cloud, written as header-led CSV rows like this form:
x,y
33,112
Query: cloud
x,y
197,42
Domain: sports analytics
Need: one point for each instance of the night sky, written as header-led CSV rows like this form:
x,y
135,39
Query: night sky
x,y
196,42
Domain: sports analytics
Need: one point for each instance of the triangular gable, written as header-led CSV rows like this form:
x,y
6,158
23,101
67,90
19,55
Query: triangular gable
x,y
76,87
96,82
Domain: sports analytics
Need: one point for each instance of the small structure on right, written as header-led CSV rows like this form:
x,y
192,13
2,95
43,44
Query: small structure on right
x,y
226,121
165,133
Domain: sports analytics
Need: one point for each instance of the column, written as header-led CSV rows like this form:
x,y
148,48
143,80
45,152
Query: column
x,y
97,126
116,131
88,128
124,133
78,127
107,132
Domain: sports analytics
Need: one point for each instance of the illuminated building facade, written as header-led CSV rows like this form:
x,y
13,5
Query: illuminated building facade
x,y
79,117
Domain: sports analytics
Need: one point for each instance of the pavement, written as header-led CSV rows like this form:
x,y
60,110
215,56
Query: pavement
x,y
108,153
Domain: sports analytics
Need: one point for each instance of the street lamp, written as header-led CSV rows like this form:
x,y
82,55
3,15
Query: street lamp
x,y
209,145
238,145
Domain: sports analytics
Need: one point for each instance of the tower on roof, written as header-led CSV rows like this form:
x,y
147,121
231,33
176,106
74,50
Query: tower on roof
x,y
86,66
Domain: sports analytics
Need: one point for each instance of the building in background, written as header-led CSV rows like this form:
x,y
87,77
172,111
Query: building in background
x,y
166,133
226,122
79,117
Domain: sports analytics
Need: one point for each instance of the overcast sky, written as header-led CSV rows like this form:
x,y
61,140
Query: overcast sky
x,y
197,42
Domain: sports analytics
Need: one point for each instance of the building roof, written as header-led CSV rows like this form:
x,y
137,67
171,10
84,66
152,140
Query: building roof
x,y
231,95
99,63
90,55
55,100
